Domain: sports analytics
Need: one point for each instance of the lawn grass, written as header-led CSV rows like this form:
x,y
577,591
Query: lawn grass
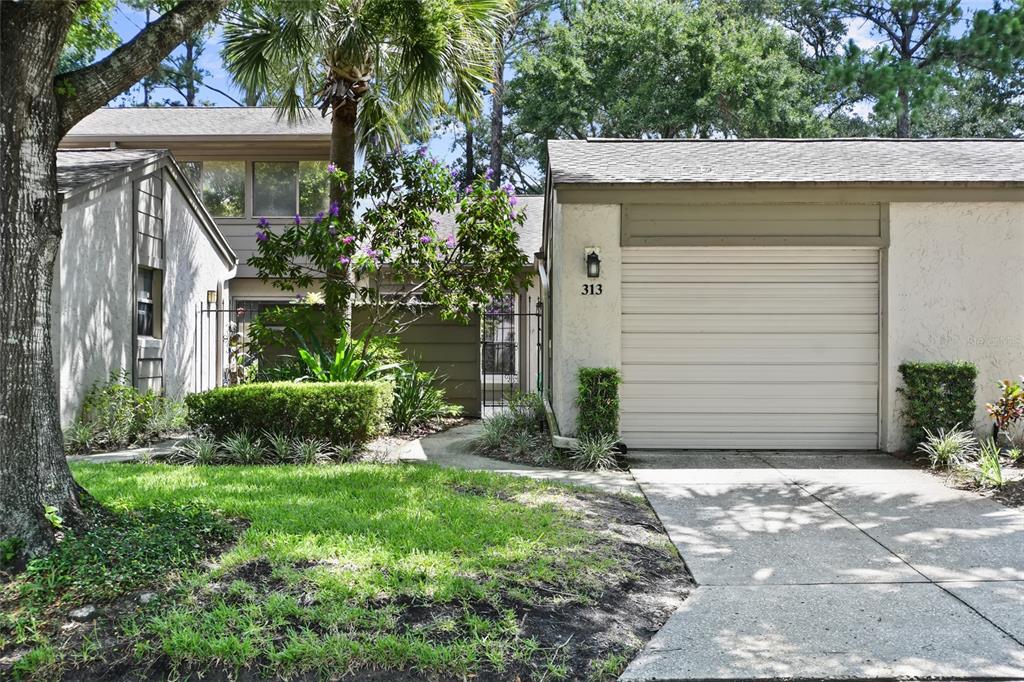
x,y
358,567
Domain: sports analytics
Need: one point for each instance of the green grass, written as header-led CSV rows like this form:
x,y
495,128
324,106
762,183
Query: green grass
x,y
346,567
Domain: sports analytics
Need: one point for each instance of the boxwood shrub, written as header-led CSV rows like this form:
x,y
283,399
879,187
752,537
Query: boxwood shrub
x,y
345,413
598,402
937,395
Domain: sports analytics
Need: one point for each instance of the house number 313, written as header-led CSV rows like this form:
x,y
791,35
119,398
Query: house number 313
x,y
592,290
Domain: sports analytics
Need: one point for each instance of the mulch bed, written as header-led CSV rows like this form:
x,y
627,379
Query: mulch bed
x,y
1011,494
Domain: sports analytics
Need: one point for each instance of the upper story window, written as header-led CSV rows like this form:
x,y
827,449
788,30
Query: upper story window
x,y
279,188
224,188
286,188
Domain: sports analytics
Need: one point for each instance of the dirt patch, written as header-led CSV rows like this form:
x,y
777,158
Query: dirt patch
x,y
581,639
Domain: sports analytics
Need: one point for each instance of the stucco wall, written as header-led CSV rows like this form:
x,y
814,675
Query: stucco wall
x,y
93,302
191,268
587,329
954,281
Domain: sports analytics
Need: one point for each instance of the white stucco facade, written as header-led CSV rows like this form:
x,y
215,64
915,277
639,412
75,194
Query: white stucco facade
x,y
585,327
954,276
192,267
949,277
94,297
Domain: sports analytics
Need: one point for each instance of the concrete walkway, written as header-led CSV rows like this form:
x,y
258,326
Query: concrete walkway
x,y
841,566
454,448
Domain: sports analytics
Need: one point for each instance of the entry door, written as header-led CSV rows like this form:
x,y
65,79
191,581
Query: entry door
x,y
750,348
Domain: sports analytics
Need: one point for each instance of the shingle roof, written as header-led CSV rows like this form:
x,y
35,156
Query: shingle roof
x,y
531,236
786,161
170,122
80,167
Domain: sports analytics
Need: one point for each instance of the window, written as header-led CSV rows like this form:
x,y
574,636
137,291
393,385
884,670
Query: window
x,y
313,187
224,188
193,172
274,187
284,188
147,318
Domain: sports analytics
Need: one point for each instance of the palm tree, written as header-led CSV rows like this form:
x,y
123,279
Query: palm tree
x,y
375,66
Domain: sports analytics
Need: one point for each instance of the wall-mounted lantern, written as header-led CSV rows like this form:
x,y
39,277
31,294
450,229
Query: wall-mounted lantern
x,y
211,295
593,256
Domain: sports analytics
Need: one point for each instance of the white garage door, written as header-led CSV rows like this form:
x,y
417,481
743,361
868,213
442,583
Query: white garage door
x,y
750,348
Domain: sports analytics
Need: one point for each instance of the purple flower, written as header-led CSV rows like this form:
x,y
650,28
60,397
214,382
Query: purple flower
x,y
512,215
298,219
454,172
467,189
513,200
261,236
263,222
509,188
450,242
331,167
347,239
335,209
435,221
425,239
489,174
319,218
372,253
344,260
421,152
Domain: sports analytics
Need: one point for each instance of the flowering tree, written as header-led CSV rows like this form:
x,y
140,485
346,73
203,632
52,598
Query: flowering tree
x,y
393,255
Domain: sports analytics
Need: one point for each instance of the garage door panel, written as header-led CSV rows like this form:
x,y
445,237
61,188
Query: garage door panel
x,y
750,374
676,255
749,324
779,422
750,348
812,392
717,440
769,272
752,404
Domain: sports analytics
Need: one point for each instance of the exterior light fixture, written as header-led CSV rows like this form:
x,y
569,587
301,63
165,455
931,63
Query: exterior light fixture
x,y
211,295
593,257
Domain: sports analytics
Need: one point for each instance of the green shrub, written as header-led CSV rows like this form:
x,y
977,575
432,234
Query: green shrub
x,y
937,396
598,402
949,449
341,413
593,453
418,400
116,415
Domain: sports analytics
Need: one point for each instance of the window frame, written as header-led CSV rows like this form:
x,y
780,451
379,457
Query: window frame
x,y
154,301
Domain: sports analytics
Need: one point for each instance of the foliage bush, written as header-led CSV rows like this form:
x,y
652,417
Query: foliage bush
x,y
937,396
344,413
418,399
116,415
949,449
593,453
352,359
598,402
518,432
1009,409
244,448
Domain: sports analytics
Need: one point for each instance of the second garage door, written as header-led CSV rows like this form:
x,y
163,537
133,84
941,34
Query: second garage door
x,y
750,348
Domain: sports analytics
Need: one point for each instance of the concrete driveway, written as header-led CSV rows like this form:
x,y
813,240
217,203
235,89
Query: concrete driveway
x,y
840,566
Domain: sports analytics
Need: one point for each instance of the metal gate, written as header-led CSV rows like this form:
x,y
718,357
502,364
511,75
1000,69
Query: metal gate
x,y
223,356
511,350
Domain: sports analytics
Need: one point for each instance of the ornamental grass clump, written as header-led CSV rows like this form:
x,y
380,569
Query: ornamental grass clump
x,y
949,449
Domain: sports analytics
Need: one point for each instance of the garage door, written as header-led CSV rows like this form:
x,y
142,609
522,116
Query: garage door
x,y
750,348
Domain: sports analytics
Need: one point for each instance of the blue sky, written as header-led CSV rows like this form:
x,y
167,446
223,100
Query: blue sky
x,y
128,21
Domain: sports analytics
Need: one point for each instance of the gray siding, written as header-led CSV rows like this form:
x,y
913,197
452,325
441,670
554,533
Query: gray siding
x,y
453,349
808,224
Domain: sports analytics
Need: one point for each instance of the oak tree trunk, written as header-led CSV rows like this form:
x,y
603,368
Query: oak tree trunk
x,y
33,472
36,110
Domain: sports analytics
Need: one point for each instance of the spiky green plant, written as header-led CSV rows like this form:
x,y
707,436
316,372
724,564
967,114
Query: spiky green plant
x,y
949,449
242,448
593,453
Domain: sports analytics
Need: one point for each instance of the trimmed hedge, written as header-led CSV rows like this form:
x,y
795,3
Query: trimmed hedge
x,y
937,395
598,402
345,413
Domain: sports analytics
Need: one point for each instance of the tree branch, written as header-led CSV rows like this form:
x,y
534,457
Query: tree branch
x,y
84,90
